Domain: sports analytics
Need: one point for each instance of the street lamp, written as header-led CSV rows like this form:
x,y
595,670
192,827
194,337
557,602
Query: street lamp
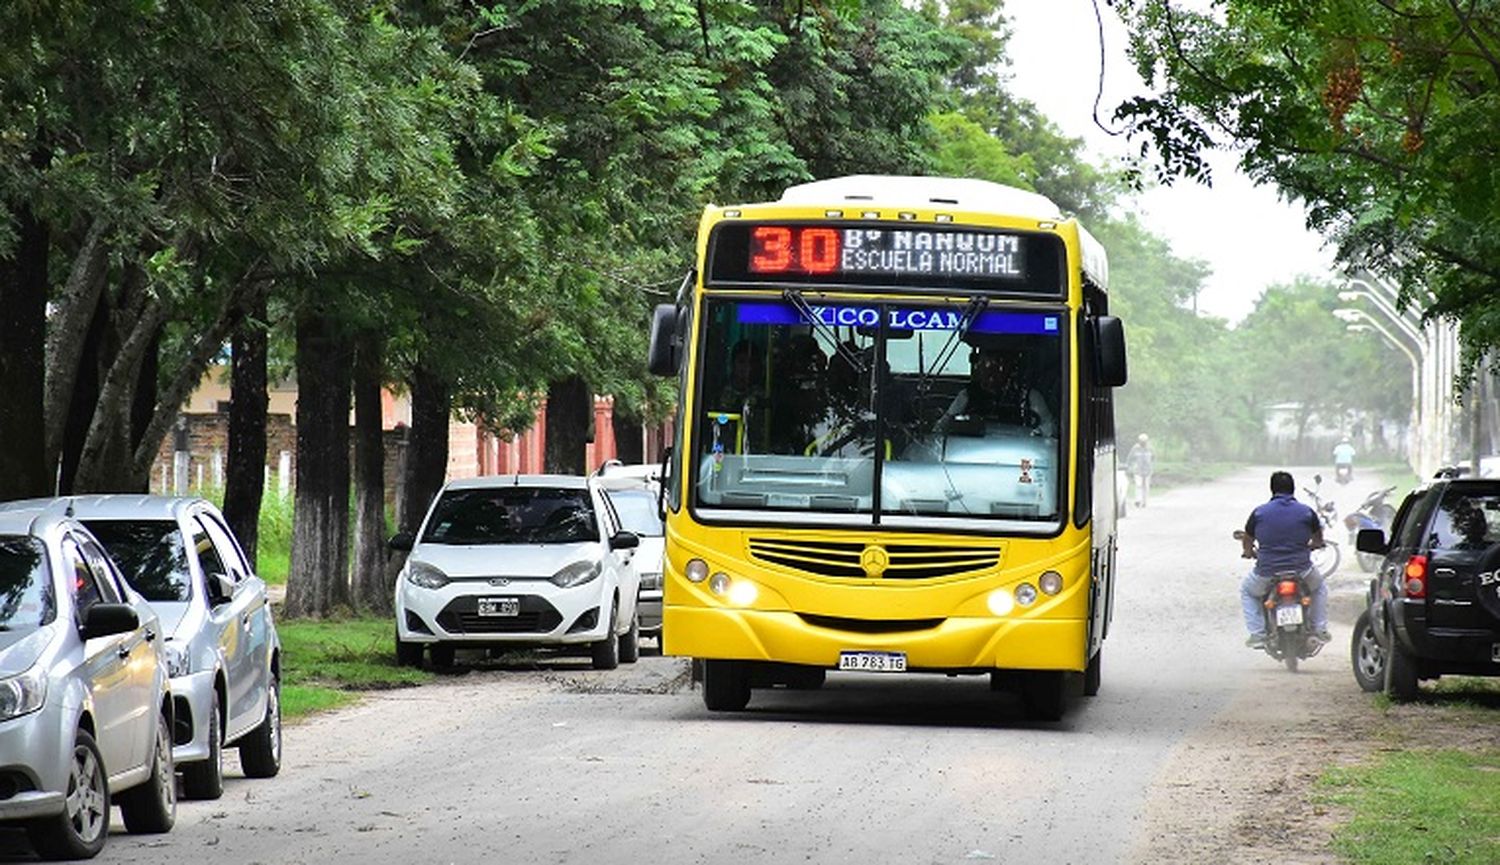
x,y
1357,321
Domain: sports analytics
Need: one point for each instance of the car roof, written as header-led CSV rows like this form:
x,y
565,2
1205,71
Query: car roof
x,y
124,506
565,482
31,516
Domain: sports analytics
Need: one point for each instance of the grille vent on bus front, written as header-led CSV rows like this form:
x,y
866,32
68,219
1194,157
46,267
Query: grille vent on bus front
x,y
905,561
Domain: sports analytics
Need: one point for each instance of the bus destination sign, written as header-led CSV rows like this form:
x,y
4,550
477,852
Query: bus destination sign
x,y
814,253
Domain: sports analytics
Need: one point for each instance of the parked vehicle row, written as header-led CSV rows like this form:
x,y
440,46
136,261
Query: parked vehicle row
x,y
505,562
135,642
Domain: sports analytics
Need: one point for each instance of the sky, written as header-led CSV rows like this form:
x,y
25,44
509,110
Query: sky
x,y
1247,234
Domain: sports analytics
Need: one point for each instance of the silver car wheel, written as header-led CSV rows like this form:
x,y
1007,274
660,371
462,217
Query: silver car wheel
x,y
86,802
273,718
166,774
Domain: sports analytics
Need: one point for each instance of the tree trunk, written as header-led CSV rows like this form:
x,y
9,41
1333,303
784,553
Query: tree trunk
x,y
24,470
245,479
570,411
629,443
426,462
68,357
372,593
318,582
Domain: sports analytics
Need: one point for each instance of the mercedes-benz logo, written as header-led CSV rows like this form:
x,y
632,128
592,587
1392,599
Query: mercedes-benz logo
x,y
874,560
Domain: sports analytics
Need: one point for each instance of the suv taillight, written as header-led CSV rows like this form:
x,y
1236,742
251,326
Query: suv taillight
x,y
1414,577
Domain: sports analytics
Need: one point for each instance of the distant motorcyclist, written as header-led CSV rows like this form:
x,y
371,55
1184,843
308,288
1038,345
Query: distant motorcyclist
x,y
1141,462
1343,460
1285,532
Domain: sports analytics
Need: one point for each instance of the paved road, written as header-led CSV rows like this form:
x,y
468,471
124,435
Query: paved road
x,y
563,764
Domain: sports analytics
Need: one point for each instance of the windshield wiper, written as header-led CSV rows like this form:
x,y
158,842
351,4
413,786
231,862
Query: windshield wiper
x,y
795,298
971,314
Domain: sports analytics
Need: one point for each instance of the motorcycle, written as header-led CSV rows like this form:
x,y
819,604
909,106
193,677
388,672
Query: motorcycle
x,y
1373,513
1290,638
1343,473
1326,558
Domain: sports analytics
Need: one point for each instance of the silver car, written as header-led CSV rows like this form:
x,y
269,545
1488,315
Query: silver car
x,y
221,645
85,702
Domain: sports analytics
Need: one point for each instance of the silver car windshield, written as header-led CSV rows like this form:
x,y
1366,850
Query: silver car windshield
x,y
150,554
512,515
938,410
638,512
26,596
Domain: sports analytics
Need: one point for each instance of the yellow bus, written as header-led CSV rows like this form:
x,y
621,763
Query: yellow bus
x,y
895,441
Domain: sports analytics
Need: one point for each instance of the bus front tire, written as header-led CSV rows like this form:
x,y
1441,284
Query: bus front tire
x,y
726,685
1044,695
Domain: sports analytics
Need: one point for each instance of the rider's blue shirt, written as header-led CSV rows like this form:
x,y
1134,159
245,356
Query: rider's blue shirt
x,y
1281,528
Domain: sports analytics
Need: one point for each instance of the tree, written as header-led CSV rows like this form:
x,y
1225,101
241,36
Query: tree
x,y
1382,117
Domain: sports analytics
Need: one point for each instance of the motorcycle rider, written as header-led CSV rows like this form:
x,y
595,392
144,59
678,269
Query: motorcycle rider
x,y
1343,460
1286,532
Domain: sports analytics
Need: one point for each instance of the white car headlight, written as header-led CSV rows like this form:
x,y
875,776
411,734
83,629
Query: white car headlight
x,y
177,659
576,574
23,694
425,575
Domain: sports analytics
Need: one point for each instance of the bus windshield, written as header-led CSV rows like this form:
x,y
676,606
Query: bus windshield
x,y
866,408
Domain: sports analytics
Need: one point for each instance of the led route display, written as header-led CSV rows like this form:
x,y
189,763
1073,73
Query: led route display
x,y
897,255
816,249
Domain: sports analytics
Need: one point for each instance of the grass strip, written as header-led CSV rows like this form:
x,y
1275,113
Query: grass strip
x,y
326,661
1420,806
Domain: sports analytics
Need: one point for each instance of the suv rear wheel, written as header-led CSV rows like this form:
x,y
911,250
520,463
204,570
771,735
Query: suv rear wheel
x,y
1367,655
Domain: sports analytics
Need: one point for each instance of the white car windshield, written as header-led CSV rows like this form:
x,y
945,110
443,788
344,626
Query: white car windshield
x,y
26,599
512,515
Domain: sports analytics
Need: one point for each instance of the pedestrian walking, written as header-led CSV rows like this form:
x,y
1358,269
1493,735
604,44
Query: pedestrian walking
x,y
1141,464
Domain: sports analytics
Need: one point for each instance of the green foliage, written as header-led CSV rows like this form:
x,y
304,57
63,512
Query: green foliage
x,y
1381,117
1420,807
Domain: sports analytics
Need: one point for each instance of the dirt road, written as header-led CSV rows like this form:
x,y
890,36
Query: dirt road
x,y
561,764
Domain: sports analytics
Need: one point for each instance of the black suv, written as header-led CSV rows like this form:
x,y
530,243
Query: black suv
x,y
1435,603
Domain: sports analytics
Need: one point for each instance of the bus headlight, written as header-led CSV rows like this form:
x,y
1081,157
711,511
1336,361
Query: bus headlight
x,y
743,593
1001,602
1050,582
1025,594
696,570
719,583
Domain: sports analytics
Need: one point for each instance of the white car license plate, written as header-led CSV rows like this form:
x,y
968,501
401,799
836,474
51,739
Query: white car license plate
x,y
499,606
1288,616
873,662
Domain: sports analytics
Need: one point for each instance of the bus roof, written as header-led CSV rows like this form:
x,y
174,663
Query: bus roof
x,y
924,192
959,193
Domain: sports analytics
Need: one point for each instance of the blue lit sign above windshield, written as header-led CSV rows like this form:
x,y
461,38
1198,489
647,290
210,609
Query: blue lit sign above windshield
x,y
903,318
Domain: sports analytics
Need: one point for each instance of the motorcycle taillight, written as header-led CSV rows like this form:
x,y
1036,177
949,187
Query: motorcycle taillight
x,y
1414,577
1286,588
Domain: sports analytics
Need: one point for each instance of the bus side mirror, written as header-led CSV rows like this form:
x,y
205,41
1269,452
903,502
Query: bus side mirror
x,y
665,352
1109,351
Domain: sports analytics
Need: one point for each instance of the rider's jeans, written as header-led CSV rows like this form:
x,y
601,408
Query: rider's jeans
x,y
1253,592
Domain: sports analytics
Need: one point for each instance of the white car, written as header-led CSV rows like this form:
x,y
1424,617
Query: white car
x,y
221,645
519,560
637,501
85,703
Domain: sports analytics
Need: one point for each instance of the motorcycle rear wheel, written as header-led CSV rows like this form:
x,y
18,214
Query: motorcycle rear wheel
x,y
1289,641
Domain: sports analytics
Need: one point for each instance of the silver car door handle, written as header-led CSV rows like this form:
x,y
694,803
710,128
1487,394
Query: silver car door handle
x,y
150,635
123,651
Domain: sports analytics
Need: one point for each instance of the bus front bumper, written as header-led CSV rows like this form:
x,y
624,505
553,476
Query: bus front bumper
x,y
952,645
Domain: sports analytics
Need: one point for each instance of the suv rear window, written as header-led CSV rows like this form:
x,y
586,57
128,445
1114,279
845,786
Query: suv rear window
x,y
26,599
1466,520
512,515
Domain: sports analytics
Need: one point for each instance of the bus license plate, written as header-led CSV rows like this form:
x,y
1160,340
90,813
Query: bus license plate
x,y
499,606
873,662
1288,616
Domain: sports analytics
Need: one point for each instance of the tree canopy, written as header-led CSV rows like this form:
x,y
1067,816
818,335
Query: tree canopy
x,y
1383,117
